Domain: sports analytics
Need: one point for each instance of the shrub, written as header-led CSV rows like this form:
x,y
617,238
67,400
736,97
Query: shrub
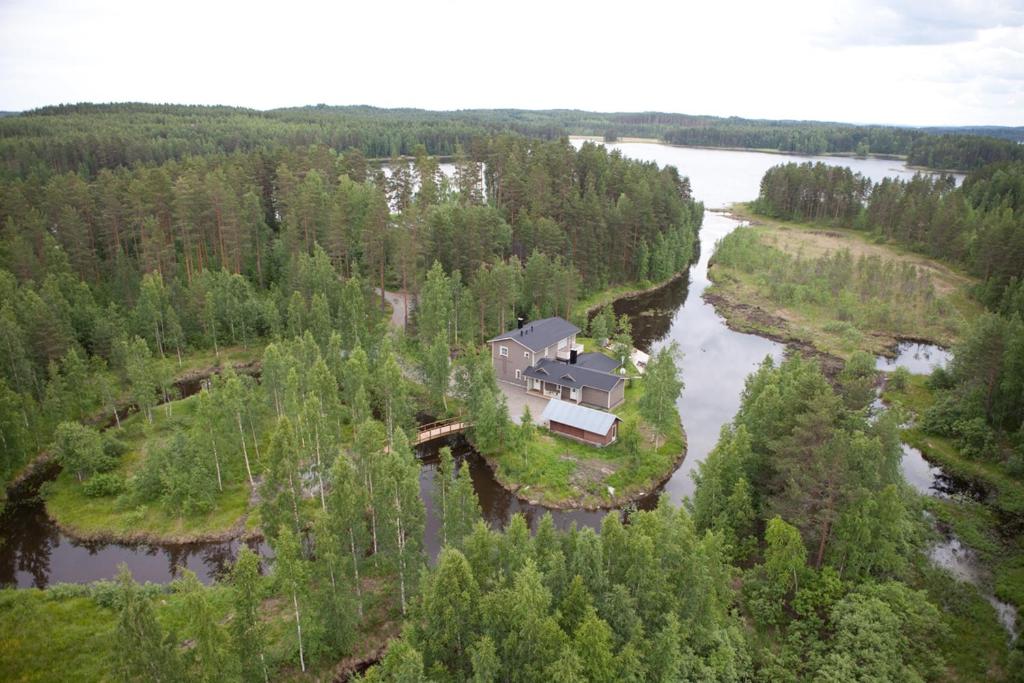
x,y
899,378
104,485
976,438
942,417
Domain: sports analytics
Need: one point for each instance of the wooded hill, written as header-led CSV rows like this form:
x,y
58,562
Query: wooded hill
x,y
86,138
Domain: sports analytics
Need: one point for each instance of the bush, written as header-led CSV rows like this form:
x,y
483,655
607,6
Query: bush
x,y
113,447
976,438
104,485
899,379
942,417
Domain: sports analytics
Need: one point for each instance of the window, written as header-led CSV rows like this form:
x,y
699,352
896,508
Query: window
x,y
562,344
503,351
518,374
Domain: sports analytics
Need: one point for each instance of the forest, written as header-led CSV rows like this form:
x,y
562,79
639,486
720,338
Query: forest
x,y
142,265
141,245
87,138
977,404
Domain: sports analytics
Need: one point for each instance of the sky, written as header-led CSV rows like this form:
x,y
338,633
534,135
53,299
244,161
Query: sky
x,y
910,62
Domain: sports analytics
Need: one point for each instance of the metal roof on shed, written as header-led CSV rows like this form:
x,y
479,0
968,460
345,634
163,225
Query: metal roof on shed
x,y
587,419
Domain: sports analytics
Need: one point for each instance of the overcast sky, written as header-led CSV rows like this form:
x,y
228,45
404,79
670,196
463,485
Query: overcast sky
x,y
915,62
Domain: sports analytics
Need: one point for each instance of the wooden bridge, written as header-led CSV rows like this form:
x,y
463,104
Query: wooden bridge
x,y
436,430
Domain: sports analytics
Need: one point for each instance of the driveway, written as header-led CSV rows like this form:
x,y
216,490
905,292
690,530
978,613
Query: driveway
x,y
516,398
397,301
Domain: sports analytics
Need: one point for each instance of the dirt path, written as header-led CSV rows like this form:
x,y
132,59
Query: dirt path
x,y
397,301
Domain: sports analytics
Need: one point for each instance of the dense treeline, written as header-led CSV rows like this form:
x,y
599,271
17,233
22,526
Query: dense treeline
x,y
86,138
803,491
229,250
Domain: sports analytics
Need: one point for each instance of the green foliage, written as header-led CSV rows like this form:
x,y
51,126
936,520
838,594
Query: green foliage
x,y
104,485
662,386
145,651
79,449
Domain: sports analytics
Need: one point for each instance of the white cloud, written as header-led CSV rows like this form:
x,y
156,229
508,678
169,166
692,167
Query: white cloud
x,y
860,61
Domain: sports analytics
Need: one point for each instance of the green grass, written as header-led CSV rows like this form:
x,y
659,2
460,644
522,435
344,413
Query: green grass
x,y
972,637
50,640
754,303
556,470
48,635
68,632
118,517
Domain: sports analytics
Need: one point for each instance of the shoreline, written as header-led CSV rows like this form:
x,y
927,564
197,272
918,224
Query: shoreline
x,y
237,532
44,468
577,504
762,150
633,293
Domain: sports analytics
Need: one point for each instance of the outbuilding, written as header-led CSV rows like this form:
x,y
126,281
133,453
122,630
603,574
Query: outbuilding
x,y
586,425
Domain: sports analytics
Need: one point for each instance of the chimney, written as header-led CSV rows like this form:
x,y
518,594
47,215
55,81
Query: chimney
x,y
520,320
572,357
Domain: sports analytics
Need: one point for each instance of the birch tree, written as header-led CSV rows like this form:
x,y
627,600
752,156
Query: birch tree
x,y
403,516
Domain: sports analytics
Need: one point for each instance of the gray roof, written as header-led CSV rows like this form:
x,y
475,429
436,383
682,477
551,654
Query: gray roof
x,y
573,376
538,334
597,361
587,419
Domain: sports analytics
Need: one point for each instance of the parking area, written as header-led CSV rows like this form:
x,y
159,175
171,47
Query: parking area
x,y
517,398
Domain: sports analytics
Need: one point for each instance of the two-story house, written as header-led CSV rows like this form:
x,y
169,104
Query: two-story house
x,y
543,357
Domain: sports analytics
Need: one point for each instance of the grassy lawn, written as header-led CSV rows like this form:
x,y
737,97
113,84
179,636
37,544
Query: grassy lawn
x,y
120,517
555,470
756,298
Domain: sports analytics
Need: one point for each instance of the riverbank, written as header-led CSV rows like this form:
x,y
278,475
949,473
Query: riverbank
x,y
1003,492
594,303
987,519
125,518
779,280
118,519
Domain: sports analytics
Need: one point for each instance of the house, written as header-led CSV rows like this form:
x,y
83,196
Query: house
x,y
543,357
592,427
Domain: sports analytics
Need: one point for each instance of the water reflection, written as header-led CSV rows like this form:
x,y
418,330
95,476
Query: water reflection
x,y
36,554
918,359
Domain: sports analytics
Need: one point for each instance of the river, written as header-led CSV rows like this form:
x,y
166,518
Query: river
x,y
715,365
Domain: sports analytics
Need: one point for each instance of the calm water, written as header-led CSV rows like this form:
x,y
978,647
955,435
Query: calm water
x,y
715,365
722,177
919,359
